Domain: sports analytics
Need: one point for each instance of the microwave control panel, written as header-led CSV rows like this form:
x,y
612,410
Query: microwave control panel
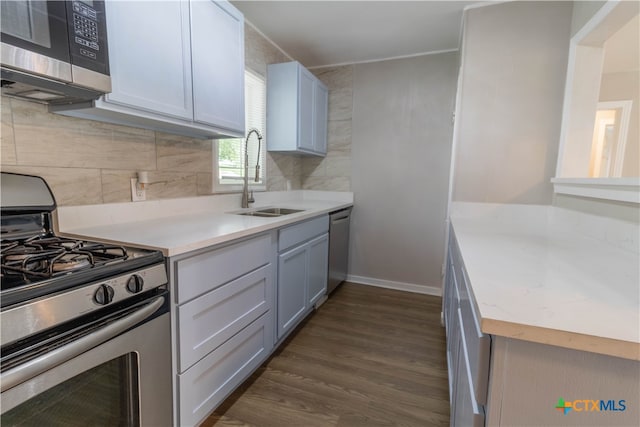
x,y
87,35
85,27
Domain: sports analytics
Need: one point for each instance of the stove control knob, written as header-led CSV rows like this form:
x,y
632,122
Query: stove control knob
x,y
103,295
135,284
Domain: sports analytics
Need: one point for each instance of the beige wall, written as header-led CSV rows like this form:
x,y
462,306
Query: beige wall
x,y
401,149
620,87
514,60
88,162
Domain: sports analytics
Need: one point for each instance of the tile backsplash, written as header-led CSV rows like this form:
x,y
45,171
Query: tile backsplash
x,y
90,162
333,172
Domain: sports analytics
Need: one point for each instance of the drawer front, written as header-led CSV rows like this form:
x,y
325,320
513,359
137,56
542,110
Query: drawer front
x,y
202,273
298,233
206,384
468,411
208,321
478,344
451,297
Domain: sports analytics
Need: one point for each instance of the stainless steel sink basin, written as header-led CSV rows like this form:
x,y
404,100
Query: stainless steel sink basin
x,y
279,211
270,212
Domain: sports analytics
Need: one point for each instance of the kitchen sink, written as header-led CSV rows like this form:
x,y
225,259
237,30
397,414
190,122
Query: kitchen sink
x,y
270,212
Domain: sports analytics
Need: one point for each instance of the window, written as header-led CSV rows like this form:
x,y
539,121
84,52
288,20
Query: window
x,y
229,153
599,141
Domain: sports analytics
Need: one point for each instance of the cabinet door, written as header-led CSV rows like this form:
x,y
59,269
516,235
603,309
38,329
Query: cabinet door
x,y
217,44
292,276
321,102
318,257
150,56
306,82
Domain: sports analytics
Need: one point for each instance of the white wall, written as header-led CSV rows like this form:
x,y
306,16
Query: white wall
x,y
401,145
514,60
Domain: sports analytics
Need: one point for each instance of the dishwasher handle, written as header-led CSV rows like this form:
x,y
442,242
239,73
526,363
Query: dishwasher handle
x,y
339,220
340,215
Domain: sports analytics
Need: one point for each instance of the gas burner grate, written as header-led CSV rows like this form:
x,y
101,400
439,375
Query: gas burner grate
x,y
44,257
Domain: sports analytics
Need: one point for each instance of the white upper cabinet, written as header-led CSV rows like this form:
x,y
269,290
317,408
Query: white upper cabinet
x,y
140,43
217,44
176,66
296,110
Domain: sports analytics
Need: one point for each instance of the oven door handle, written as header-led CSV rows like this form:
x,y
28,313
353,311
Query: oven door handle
x,y
30,369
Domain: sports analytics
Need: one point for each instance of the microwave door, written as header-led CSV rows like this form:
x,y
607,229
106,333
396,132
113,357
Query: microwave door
x,y
34,38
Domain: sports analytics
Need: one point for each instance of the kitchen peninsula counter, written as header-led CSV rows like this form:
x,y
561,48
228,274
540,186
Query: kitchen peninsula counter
x,y
552,276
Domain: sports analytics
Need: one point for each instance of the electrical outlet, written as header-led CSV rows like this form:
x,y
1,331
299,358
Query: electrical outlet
x,y
137,194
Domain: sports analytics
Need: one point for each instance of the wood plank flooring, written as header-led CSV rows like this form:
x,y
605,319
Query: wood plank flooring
x,y
367,357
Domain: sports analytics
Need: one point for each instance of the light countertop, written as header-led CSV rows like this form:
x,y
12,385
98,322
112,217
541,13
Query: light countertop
x,y
553,276
182,225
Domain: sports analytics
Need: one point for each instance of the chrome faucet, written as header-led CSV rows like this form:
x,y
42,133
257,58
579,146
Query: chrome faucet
x,y
246,198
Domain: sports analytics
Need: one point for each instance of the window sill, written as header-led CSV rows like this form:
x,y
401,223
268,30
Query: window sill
x,y
618,189
231,189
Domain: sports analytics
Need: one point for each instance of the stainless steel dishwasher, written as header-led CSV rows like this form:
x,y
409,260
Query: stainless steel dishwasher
x,y
338,247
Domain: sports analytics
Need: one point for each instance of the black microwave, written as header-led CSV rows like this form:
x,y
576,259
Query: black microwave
x,y
54,51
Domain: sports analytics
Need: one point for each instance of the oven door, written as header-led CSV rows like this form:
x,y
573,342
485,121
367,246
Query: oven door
x,y
125,380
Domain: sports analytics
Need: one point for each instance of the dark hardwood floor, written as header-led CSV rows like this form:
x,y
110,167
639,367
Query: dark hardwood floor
x,y
367,357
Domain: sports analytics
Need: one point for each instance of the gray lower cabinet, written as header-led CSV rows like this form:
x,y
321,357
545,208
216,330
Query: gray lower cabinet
x,y
302,270
176,66
228,313
502,381
468,349
223,321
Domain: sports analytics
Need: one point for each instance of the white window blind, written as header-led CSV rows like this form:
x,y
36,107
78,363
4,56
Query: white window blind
x,y
229,153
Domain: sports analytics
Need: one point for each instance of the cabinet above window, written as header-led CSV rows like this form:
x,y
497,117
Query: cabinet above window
x,y
176,67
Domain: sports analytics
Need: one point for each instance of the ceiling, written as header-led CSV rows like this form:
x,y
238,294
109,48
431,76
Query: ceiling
x,y
322,33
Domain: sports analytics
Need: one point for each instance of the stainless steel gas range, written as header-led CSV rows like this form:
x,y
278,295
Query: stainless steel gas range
x,y
85,330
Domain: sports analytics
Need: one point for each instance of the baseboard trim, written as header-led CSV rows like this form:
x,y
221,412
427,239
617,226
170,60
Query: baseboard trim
x,y
400,286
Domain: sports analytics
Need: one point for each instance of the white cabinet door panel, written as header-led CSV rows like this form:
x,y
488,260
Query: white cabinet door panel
x,y
318,253
217,43
321,100
305,110
150,56
292,274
